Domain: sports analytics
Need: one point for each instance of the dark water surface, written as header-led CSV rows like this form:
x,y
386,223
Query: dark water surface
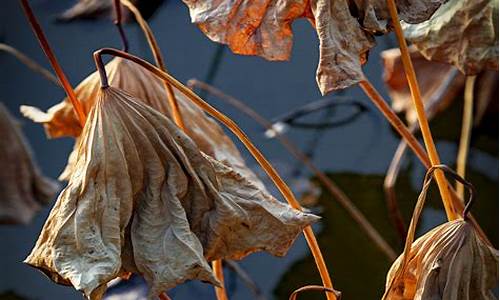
x,y
356,154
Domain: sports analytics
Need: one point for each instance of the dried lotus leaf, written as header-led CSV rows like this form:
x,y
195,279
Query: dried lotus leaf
x,y
143,198
451,262
60,120
344,29
23,188
439,83
461,32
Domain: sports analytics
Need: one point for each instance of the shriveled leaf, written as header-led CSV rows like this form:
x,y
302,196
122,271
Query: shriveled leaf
x,y
450,262
344,29
143,198
60,120
461,32
439,83
92,9
23,188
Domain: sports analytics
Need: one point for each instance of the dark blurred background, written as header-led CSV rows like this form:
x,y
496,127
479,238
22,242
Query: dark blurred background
x,y
355,153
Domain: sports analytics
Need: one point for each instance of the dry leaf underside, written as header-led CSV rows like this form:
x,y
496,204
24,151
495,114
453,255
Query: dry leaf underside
x,y
143,198
450,262
461,32
345,30
60,120
23,188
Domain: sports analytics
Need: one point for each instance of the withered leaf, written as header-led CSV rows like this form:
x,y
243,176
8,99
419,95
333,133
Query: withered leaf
x,y
23,188
344,29
450,262
92,9
143,198
461,32
439,83
60,120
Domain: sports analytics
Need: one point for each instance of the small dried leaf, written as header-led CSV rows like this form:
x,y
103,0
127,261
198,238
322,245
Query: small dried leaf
x,y
344,29
439,83
451,262
461,32
23,189
60,120
143,198
92,9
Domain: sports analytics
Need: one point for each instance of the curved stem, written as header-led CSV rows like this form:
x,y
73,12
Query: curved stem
x,y
119,25
264,163
295,293
334,190
30,63
160,62
44,43
422,118
463,148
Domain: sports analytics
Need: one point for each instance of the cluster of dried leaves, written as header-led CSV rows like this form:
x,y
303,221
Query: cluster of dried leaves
x,y
345,30
145,197
23,188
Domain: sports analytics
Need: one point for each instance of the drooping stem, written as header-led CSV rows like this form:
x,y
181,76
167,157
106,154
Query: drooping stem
x,y
334,190
295,293
463,148
231,125
119,25
160,62
245,277
30,63
44,43
411,77
220,292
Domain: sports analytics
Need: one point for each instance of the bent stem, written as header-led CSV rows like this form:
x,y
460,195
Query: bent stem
x,y
160,62
44,43
119,25
463,148
220,292
411,77
30,63
295,293
334,190
231,125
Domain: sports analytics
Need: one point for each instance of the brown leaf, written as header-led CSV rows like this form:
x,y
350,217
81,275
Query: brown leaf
x,y
143,198
23,188
60,120
450,262
344,29
439,83
462,32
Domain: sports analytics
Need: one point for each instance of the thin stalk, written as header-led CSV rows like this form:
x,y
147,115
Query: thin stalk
x,y
119,25
220,292
44,43
295,293
334,190
414,145
245,277
231,125
422,118
164,296
463,149
160,62
30,63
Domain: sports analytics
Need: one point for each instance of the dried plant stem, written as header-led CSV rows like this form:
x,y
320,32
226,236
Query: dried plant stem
x,y
334,190
160,62
33,65
411,77
295,293
231,125
245,277
119,25
463,149
44,43
220,292
164,296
